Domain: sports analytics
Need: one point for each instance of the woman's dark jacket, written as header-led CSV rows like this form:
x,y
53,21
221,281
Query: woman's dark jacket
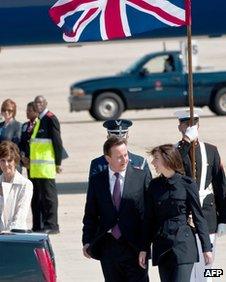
x,y
169,202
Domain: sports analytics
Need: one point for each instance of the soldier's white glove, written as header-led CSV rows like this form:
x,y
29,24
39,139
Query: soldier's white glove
x,y
221,229
192,132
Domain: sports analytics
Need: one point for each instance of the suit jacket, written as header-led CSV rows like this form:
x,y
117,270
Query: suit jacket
x,y
50,128
99,164
17,199
101,215
168,204
214,205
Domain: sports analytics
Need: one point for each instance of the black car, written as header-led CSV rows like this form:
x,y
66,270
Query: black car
x,y
26,257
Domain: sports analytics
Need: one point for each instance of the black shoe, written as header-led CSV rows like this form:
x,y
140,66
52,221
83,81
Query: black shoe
x,y
36,230
51,231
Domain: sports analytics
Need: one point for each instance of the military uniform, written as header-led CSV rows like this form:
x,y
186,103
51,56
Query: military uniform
x,y
118,127
99,164
214,204
210,177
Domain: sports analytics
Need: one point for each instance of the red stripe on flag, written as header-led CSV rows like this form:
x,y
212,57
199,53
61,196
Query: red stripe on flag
x,y
87,16
113,21
159,12
58,11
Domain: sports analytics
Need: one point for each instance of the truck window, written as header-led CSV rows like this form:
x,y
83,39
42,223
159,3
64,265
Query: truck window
x,y
160,64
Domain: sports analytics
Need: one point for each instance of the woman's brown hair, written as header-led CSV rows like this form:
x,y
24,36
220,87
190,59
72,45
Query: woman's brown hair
x,y
9,103
171,156
10,150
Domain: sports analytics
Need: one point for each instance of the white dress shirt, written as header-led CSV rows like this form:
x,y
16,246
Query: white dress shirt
x,y
43,113
112,179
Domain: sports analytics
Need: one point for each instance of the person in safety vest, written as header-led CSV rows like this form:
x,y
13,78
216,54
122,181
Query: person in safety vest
x,y
45,162
210,177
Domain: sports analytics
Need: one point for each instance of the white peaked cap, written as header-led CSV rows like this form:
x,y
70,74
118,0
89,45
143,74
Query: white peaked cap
x,y
184,114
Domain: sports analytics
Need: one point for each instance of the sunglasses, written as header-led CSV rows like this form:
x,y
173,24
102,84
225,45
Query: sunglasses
x,y
7,110
6,160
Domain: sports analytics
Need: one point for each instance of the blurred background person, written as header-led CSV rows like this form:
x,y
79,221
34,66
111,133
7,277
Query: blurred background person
x,y
170,199
169,64
15,190
27,130
10,128
46,151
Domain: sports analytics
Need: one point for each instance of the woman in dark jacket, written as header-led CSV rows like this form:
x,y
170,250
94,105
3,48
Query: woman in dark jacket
x,y
171,199
10,128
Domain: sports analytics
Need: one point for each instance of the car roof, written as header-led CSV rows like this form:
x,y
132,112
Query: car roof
x,y
20,237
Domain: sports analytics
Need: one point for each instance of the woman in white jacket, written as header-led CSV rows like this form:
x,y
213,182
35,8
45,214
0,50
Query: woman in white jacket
x,y
15,190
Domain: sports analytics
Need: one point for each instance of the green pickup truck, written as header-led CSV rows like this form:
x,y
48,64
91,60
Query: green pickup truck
x,y
156,80
26,257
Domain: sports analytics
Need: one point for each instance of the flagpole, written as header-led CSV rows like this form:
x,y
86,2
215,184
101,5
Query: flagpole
x,y
190,79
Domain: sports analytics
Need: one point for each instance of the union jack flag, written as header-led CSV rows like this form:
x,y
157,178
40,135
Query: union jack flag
x,y
94,20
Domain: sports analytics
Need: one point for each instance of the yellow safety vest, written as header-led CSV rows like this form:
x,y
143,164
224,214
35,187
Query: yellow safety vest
x,y
42,157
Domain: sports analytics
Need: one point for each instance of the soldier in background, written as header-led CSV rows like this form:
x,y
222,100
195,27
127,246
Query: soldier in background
x,y
210,177
120,128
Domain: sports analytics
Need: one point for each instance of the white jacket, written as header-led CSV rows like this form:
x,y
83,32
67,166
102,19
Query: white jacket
x,y
17,200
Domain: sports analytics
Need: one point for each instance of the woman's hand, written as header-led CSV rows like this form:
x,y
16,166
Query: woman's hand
x,y
142,259
208,257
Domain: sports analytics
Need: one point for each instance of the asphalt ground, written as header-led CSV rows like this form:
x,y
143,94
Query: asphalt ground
x,y
27,72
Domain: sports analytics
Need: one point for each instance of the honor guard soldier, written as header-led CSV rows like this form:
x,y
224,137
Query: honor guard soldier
x,y
118,127
210,177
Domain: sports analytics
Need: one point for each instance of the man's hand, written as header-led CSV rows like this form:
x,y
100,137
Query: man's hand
x,y
142,259
208,257
58,169
192,133
84,249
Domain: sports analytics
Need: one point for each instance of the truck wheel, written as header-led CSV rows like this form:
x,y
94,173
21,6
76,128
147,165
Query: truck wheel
x,y
107,105
219,102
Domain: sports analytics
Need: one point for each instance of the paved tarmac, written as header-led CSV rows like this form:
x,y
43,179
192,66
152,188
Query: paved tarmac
x,y
27,72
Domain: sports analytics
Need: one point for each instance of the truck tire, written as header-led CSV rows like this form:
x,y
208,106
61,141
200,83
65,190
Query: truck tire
x,y
107,105
219,102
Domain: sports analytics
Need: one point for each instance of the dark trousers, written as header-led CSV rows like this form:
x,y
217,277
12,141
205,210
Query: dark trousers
x,y
44,204
119,262
169,271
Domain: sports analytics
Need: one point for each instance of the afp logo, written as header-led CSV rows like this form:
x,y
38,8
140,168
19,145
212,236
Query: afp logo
x,y
213,272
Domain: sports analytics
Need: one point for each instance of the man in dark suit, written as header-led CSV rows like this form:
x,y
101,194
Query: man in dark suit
x,y
114,214
118,127
210,177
